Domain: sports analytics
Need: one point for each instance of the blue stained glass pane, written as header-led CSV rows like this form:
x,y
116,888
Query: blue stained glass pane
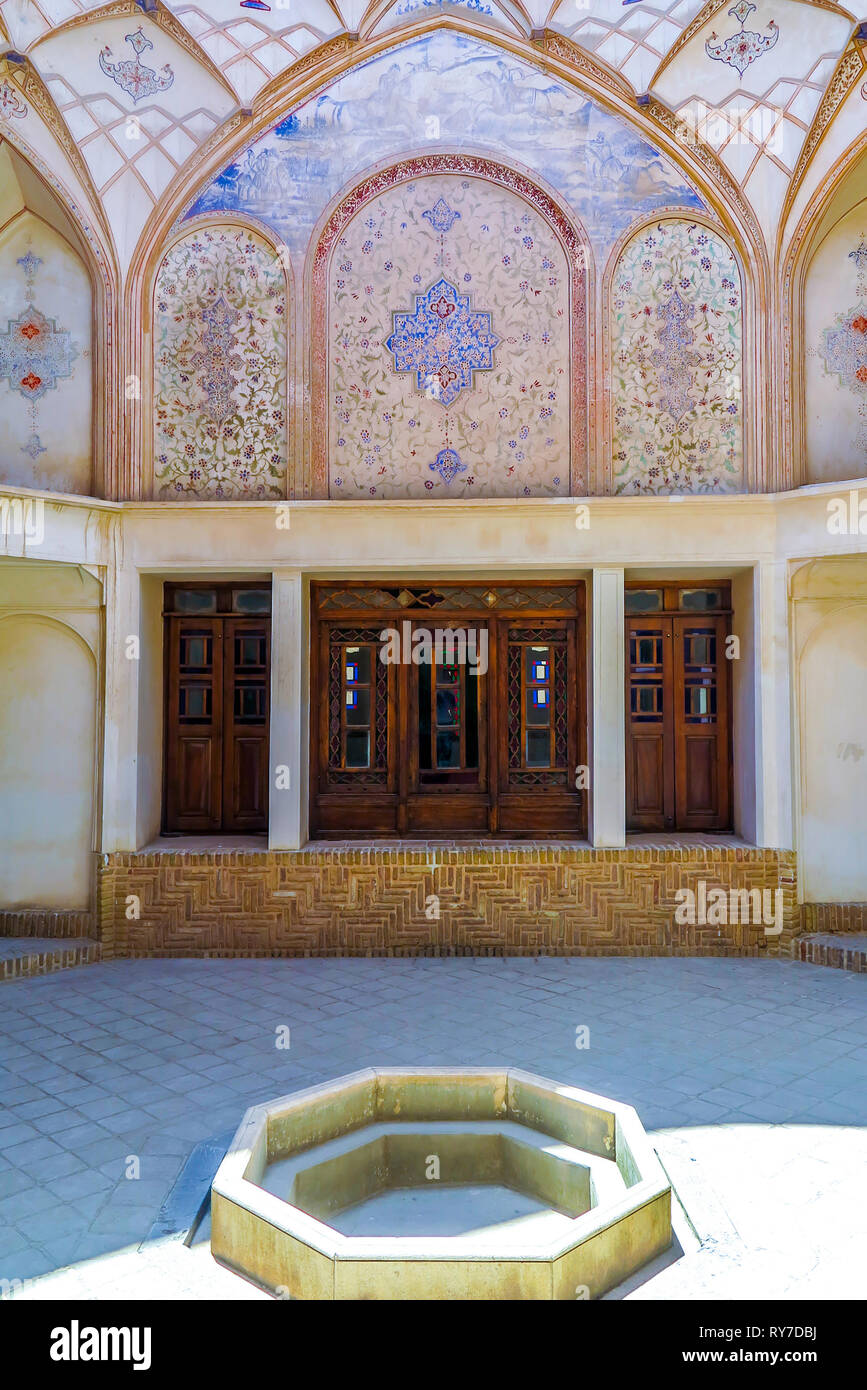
x,y
351,699
540,671
351,672
540,697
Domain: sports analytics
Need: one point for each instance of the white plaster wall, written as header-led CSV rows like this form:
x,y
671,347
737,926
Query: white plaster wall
x,y
833,726
48,701
150,711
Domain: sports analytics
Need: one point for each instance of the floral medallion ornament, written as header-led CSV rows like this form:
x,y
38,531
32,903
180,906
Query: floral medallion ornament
x,y
844,349
441,217
10,102
741,50
34,354
219,361
448,464
134,76
673,358
443,341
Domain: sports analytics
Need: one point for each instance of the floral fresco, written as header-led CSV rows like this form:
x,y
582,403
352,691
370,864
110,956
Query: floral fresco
x,y
676,363
449,346
220,360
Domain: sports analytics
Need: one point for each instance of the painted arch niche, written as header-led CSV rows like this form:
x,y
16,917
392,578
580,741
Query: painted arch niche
x,y
677,363
46,314
452,308
220,363
835,313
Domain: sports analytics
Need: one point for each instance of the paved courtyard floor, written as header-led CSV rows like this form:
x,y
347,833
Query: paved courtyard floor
x,y
751,1077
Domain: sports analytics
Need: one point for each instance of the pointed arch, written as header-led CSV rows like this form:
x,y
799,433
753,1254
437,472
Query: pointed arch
x,y
568,232
70,223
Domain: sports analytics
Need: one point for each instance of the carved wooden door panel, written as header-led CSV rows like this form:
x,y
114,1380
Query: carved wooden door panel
x,y
194,725
650,796
677,723
701,723
448,746
246,681
217,724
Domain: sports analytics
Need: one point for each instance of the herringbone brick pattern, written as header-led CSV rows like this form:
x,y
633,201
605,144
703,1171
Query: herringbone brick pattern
x,y
471,901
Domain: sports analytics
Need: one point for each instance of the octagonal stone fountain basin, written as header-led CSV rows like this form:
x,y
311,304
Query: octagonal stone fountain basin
x,y
440,1183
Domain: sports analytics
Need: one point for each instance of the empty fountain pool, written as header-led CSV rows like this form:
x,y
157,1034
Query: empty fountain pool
x,y
427,1183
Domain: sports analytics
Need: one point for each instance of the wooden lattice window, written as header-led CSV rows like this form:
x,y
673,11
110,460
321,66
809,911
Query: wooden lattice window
x,y
538,708
357,708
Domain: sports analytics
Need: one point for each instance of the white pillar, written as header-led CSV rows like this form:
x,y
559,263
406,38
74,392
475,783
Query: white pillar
x,y
290,710
774,774
122,667
608,713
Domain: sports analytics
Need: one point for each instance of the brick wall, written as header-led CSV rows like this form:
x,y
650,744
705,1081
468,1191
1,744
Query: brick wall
x,y
523,900
46,921
834,917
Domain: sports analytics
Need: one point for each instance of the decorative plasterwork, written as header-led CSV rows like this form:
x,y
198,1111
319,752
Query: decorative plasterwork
x,y
252,47
633,39
136,117
562,47
753,95
571,239
711,163
795,267
711,10
849,71
133,75
155,14
42,114
500,14
12,107
443,341
560,58
28,21
740,50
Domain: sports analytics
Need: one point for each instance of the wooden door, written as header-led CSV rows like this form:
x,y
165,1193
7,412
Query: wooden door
x,y
409,742
677,723
194,725
246,680
217,715
701,723
448,741
650,780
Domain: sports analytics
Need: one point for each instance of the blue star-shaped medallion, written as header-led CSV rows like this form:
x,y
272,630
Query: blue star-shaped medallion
x,y
443,341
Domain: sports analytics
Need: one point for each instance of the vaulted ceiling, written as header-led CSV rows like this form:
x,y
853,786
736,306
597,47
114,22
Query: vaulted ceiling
x,y
116,101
